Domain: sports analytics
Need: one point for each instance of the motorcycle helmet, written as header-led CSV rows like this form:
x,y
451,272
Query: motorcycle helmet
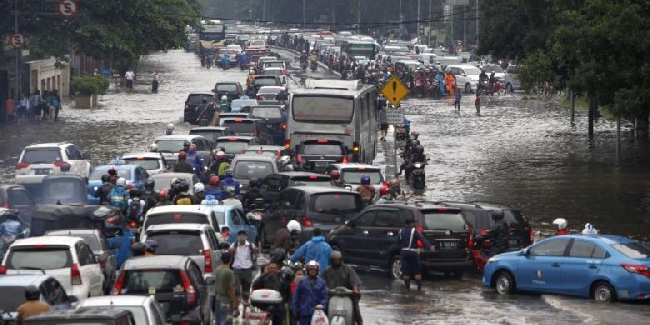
x,y
224,98
153,147
121,182
182,186
560,223
32,293
365,180
278,255
589,229
254,182
214,180
293,225
251,71
334,175
287,273
112,170
149,184
313,265
220,155
182,155
170,129
419,148
228,172
415,143
162,195
199,187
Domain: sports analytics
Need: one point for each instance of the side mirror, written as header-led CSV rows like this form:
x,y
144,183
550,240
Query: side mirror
x,y
527,251
73,299
209,280
115,246
350,223
101,258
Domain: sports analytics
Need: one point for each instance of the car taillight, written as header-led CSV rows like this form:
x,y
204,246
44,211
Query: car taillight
x,y
283,126
190,292
6,206
470,232
346,159
384,189
3,269
102,263
133,224
59,163
306,222
75,274
22,165
208,260
299,159
259,97
637,269
287,144
117,288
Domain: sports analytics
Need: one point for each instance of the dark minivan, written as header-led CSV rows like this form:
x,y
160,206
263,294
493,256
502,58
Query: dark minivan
x,y
317,155
273,184
191,113
314,207
370,239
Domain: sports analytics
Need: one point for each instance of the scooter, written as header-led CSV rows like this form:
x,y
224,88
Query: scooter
x,y
303,65
313,66
263,302
341,306
418,176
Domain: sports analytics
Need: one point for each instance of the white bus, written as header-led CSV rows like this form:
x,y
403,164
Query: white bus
x,y
335,110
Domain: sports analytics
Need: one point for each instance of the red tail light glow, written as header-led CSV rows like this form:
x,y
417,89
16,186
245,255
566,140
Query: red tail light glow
x,y
133,224
313,176
226,235
299,159
22,165
6,205
118,284
287,143
346,159
190,292
59,163
637,269
208,260
3,269
323,141
283,126
306,222
483,232
75,274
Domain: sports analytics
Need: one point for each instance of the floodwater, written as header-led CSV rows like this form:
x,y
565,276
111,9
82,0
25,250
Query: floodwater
x,y
523,153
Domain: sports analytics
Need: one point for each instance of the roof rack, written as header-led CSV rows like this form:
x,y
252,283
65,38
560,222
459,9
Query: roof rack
x,y
494,204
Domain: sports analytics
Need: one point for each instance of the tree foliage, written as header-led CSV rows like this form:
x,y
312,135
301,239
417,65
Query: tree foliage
x,y
90,85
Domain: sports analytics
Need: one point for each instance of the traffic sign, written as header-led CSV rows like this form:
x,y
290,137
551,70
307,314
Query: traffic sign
x,y
68,8
18,40
395,116
394,90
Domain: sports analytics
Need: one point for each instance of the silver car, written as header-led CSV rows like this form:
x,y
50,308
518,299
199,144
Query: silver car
x,y
511,80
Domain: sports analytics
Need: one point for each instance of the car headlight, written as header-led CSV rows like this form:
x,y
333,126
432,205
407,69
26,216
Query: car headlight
x,y
95,188
492,259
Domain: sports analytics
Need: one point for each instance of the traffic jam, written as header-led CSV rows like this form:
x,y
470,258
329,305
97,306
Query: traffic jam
x,y
275,206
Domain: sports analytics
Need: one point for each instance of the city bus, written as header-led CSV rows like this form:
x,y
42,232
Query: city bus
x,y
344,111
212,30
359,48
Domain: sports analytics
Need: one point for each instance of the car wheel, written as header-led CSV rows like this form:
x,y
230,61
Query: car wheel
x,y
468,88
504,283
396,268
603,291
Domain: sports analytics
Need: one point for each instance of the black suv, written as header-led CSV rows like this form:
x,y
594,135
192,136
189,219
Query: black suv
x,y
232,90
176,282
272,120
314,207
317,155
192,102
370,239
273,184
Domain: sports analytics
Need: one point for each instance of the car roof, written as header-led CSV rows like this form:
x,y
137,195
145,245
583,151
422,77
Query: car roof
x,y
414,205
239,137
48,145
185,176
267,105
118,167
602,239
227,83
56,176
264,147
81,313
165,209
210,128
48,241
272,87
156,261
235,118
120,300
321,189
356,166
23,280
253,158
298,173
140,154
177,226
72,232
179,137
194,93
463,66
219,207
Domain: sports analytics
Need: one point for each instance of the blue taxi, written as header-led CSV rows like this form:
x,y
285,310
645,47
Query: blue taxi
x,y
231,218
602,267
135,176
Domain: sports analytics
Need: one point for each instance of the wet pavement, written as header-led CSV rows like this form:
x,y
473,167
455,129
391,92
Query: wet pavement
x,y
519,152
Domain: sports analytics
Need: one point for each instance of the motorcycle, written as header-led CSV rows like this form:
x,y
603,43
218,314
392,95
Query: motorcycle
x,y
417,176
341,306
263,302
313,66
303,65
498,88
244,66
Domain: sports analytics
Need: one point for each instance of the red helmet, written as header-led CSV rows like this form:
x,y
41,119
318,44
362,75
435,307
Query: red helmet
x,y
214,180
182,155
335,175
163,194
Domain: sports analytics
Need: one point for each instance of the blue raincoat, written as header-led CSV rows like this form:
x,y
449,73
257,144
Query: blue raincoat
x,y
308,295
314,250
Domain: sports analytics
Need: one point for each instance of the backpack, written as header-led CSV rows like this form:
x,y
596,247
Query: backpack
x,y
133,211
221,170
185,200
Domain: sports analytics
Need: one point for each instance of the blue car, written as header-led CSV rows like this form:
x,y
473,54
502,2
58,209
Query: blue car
x,y
231,220
602,267
135,176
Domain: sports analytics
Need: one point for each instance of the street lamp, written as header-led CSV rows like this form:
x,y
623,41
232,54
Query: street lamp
x,y
303,13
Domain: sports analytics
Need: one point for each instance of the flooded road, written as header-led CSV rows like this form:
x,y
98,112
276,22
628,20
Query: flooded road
x,y
518,152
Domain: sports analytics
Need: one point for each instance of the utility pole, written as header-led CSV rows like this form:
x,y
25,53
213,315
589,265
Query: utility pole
x,y
429,43
358,16
264,10
418,20
303,13
17,59
250,10
465,25
400,18
477,22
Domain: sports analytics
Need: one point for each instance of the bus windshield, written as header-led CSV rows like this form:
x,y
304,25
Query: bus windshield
x,y
322,109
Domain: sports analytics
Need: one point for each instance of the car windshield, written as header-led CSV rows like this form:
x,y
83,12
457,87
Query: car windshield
x,y
633,250
172,146
266,112
147,282
146,163
472,71
354,176
261,153
322,109
227,87
11,298
65,191
196,99
240,126
322,149
232,147
312,180
273,64
164,181
239,103
335,203
97,174
41,156
43,258
249,169
493,68
265,82
177,242
169,218
211,135
435,220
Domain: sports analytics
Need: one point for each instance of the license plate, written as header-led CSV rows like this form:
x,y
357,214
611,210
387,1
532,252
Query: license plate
x,y
42,171
447,245
339,313
513,242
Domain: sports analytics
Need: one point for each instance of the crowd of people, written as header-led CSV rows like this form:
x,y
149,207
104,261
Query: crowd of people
x,y
38,106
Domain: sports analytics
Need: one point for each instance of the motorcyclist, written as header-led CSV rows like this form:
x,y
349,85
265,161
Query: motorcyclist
x,y
395,189
303,57
195,160
199,192
339,274
32,306
482,78
182,196
314,249
366,190
282,237
310,293
183,166
149,196
186,146
272,280
252,194
335,177
118,195
589,230
103,190
561,224
213,189
225,61
219,165
153,147
205,112
170,129
230,185
499,233
493,79
224,106
163,198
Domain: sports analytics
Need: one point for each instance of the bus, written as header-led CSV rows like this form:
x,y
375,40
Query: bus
x,y
359,48
212,30
343,111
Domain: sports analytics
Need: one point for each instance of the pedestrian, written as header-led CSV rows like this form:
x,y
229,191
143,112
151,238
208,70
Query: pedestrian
x,y
410,240
154,82
311,292
57,104
226,303
383,122
9,106
23,109
449,82
244,256
130,77
315,249
32,306
45,104
477,103
35,104
339,274
457,97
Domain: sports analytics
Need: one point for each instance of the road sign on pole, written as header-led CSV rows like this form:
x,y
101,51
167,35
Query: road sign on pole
x,y
395,116
394,90
68,8
18,40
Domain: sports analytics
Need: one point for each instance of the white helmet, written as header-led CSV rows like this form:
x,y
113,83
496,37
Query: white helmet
x,y
153,147
199,187
560,223
120,182
293,225
170,126
224,97
589,230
